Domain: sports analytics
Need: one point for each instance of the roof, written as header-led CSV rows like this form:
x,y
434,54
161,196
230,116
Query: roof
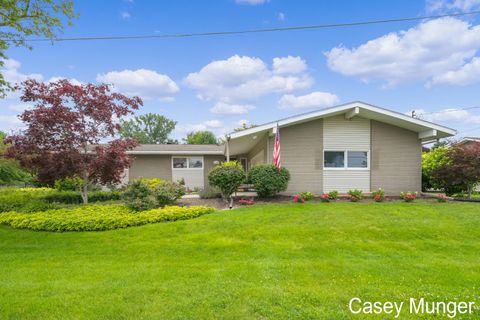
x,y
207,149
469,139
427,131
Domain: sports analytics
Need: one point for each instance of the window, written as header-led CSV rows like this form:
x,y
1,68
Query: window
x,y
187,163
345,159
334,159
195,162
357,159
179,163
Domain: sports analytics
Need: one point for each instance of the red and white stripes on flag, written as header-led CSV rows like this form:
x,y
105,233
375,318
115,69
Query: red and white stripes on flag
x,y
276,149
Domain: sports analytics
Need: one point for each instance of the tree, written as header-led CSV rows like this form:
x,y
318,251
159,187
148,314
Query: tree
x,y
432,160
227,177
461,172
64,130
10,171
20,19
148,129
245,127
201,137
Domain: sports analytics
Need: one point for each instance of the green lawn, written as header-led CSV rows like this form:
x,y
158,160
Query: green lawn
x,y
260,262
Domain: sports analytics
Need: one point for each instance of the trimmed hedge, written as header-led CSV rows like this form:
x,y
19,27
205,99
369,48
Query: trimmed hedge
x,y
25,199
97,217
74,197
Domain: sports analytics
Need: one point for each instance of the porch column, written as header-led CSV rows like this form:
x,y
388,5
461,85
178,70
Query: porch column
x,y
227,146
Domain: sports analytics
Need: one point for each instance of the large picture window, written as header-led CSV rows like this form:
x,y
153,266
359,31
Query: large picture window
x,y
187,163
345,159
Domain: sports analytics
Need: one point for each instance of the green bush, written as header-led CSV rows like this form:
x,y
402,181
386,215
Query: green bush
x,y
333,194
355,195
307,195
209,193
74,197
268,180
145,194
378,195
227,177
23,199
69,184
97,217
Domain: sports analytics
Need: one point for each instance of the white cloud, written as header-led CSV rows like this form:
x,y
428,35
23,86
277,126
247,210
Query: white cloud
x,y
448,115
10,119
125,15
226,108
423,52
443,6
12,74
289,65
315,99
243,122
252,2
72,80
467,74
145,83
243,78
281,16
214,125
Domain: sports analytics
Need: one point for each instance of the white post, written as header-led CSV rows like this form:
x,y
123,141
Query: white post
x,y
227,145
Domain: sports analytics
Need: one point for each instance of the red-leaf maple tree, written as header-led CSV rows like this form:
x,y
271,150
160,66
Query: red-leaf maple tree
x,y
66,131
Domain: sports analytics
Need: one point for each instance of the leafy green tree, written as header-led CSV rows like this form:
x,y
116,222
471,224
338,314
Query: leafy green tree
x,y
149,128
21,19
201,137
227,177
10,170
432,160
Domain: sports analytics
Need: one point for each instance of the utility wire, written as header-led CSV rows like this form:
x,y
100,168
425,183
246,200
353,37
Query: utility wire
x,y
226,33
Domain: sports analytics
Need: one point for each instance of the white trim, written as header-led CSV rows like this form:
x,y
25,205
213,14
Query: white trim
x,y
188,163
345,160
427,134
340,109
352,113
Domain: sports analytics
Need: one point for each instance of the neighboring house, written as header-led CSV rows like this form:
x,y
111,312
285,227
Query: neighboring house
x,y
351,146
469,141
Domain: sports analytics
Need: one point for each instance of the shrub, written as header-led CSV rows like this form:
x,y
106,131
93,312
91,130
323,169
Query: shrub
x,y
333,194
97,217
23,199
378,195
307,195
209,193
246,202
268,180
355,195
69,184
74,197
408,196
227,177
145,194
298,199
167,192
326,197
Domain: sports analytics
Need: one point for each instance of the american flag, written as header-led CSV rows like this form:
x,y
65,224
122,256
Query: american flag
x,y
276,149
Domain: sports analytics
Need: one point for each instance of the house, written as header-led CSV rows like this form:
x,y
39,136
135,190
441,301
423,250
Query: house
x,y
469,142
350,146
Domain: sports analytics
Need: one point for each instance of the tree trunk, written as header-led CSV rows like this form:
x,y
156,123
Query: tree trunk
x,y
469,190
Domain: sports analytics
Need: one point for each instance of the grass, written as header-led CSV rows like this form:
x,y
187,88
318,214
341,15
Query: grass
x,y
260,262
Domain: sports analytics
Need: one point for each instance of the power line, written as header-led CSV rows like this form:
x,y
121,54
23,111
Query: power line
x,y
226,33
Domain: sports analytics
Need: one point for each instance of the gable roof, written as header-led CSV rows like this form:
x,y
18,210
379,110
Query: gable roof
x,y
427,131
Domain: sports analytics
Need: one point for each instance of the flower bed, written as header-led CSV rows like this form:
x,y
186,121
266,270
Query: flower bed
x,y
97,217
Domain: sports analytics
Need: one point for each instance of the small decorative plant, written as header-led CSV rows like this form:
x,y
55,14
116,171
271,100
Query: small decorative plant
x,y
355,195
298,199
442,198
307,195
246,202
333,195
326,197
378,195
408,196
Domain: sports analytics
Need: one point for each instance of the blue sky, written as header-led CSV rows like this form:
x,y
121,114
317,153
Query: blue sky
x,y
215,83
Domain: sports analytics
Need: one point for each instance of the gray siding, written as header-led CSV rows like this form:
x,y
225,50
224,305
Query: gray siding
x,y
151,166
396,159
302,155
261,145
208,164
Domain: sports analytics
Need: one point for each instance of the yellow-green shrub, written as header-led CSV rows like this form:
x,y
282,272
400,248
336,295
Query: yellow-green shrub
x,y
97,217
